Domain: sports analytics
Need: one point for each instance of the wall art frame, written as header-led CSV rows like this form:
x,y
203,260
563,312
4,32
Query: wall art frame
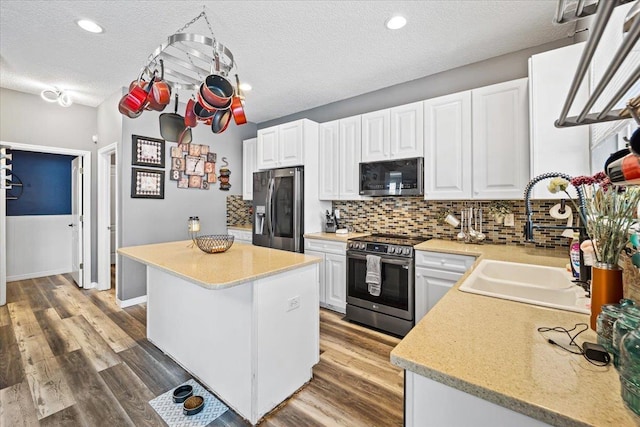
x,y
147,183
147,151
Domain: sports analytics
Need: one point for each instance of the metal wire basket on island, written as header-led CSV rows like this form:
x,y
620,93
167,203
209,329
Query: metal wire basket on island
x,y
214,243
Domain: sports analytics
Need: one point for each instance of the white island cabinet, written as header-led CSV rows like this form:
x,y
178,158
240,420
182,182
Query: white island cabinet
x,y
244,322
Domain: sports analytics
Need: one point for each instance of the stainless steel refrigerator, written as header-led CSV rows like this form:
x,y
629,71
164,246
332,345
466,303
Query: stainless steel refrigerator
x,y
278,209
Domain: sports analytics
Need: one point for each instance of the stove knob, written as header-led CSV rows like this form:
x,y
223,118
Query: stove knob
x,y
350,245
362,246
406,251
392,250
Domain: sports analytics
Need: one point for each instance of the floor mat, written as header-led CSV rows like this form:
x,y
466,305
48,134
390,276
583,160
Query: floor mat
x,y
172,414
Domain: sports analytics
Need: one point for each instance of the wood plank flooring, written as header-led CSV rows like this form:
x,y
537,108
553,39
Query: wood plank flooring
x,y
72,357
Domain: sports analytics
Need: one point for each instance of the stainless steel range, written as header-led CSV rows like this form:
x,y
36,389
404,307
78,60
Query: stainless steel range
x,y
389,308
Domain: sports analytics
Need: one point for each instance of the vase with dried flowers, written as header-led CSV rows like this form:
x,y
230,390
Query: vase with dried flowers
x,y
611,213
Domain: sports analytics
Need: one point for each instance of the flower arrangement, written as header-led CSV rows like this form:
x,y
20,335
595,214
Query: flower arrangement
x,y
499,209
611,211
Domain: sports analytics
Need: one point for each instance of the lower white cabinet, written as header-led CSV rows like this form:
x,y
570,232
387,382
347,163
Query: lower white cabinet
x,y
436,273
240,235
333,272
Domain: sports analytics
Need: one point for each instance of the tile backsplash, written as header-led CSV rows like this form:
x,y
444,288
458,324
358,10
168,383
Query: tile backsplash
x,y
416,216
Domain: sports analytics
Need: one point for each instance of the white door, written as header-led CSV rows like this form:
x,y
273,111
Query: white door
x,y
500,140
3,228
248,167
407,131
336,281
447,147
430,287
328,173
322,287
350,153
76,221
376,136
112,213
290,140
267,148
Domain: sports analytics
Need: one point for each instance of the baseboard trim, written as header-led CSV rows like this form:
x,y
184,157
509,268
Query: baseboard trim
x,y
131,301
36,274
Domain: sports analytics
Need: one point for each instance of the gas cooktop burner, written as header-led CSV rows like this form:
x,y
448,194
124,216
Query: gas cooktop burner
x,y
390,244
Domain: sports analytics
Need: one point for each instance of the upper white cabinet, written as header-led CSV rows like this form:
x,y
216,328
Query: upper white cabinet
x,y
556,149
447,147
395,133
340,147
249,166
282,146
500,133
376,135
477,143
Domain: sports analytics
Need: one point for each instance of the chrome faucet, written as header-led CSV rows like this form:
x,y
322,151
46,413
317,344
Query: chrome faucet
x,y
585,272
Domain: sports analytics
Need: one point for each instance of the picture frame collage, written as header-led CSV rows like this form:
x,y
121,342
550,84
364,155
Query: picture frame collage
x,y
149,152
193,166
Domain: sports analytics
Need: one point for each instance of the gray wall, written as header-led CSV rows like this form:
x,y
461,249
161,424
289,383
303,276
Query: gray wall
x,y
494,70
27,119
144,221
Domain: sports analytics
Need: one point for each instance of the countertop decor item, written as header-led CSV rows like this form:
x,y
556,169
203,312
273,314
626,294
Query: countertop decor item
x,y
630,370
499,209
214,243
628,320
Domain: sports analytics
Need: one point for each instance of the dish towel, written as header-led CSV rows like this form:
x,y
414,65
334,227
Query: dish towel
x,y
373,275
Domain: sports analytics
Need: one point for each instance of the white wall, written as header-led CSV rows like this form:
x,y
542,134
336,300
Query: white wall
x,y
38,245
27,119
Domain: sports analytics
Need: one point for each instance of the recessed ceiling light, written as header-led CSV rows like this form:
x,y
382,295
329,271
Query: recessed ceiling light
x,y
396,22
245,87
90,26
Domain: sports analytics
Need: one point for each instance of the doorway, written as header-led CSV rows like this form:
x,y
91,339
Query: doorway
x,y
84,213
107,215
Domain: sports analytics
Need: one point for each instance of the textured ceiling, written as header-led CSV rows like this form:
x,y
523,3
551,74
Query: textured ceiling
x,y
296,54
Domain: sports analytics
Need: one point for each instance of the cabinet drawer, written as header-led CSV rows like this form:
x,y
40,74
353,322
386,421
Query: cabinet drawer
x,y
326,246
443,261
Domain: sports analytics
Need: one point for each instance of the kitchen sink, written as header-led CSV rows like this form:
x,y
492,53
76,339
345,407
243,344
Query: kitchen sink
x,y
531,284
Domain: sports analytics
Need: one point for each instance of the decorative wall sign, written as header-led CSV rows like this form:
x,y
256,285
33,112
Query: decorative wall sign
x,y
193,166
147,151
224,176
147,184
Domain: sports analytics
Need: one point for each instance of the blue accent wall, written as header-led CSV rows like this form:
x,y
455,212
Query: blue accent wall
x,y
46,180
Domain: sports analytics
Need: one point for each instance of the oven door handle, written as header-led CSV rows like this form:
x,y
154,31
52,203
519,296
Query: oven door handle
x,y
383,260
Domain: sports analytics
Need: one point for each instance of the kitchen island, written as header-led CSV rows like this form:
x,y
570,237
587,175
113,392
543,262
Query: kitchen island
x,y
477,360
244,322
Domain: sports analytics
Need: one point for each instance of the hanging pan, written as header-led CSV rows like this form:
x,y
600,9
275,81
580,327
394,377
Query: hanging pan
x,y
172,125
237,105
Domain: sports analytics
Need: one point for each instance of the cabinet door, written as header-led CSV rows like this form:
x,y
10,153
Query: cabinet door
x,y
407,129
321,268
349,158
447,147
556,149
267,148
500,140
290,136
328,162
336,281
376,136
249,164
431,285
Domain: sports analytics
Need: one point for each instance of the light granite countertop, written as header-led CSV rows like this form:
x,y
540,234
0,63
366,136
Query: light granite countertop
x,y
490,348
239,264
334,236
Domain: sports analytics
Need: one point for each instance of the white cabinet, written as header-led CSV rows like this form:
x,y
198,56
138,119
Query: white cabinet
x,y
282,146
395,133
556,149
500,132
376,135
447,147
339,158
407,139
249,166
333,272
241,235
435,274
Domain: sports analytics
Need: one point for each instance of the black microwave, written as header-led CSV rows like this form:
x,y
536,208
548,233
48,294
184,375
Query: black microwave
x,y
403,177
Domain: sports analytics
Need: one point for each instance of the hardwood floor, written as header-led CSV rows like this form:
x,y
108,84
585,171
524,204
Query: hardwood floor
x,y
72,357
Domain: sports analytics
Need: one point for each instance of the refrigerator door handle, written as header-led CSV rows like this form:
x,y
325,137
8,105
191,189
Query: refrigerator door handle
x,y
270,189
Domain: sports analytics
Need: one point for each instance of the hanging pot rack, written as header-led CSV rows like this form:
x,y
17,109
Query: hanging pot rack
x,y
603,10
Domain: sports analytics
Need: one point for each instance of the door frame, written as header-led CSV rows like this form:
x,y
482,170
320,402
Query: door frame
x,y
104,216
86,205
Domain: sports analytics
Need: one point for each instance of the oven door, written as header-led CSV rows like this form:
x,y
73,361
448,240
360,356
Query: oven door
x,y
396,290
